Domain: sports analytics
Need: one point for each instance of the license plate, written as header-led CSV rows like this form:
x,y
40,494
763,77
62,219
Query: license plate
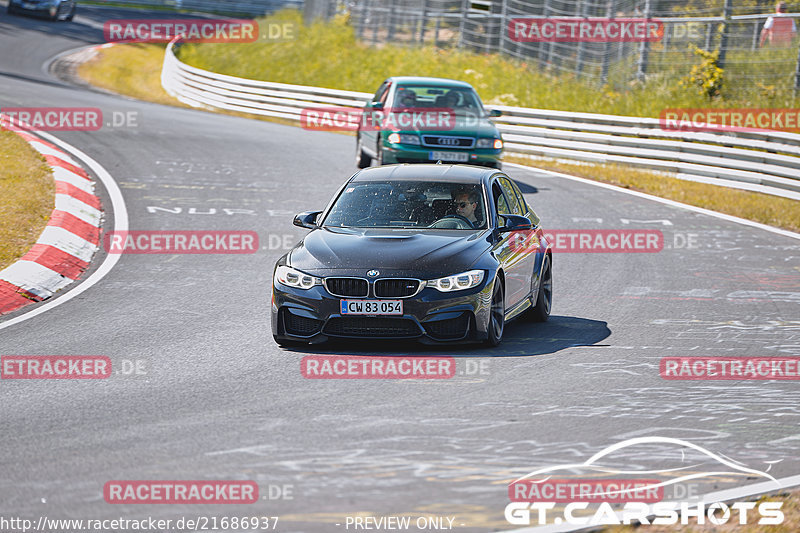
x,y
448,156
372,307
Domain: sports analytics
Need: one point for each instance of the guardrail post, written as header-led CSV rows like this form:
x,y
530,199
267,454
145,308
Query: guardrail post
x,y
709,33
503,26
726,28
423,21
545,52
581,10
375,26
754,45
797,74
390,24
644,48
607,51
462,24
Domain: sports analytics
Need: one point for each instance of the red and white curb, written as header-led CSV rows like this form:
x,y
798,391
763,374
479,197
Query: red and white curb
x,y
66,246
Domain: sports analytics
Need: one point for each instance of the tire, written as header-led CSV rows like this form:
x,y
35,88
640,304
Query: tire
x,y
362,159
497,313
544,299
10,9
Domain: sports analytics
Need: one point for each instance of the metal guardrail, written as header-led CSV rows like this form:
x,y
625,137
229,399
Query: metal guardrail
x,y
231,7
769,158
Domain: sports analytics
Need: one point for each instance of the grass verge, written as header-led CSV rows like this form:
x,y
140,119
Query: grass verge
x,y
27,193
131,69
764,208
135,70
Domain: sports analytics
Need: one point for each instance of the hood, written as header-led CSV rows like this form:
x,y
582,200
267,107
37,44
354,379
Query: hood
x,y
425,255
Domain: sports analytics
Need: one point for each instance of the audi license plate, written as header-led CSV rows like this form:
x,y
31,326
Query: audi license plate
x,y
448,156
372,307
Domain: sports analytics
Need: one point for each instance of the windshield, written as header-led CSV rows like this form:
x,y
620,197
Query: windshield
x,y
409,205
461,101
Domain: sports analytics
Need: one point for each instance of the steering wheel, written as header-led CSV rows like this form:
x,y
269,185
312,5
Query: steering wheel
x,y
452,222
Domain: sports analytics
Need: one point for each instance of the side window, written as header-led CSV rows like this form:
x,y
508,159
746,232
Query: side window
x,y
500,200
522,204
511,197
382,93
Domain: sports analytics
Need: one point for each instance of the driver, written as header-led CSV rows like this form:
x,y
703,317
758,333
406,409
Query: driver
x,y
466,203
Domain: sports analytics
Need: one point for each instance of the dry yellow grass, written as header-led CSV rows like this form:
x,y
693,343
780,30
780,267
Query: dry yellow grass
x,y
130,69
27,196
764,208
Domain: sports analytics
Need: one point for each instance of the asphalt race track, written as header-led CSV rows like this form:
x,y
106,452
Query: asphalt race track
x,y
218,399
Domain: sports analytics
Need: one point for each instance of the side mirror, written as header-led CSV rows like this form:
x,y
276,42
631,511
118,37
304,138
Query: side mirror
x,y
494,113
376,105
307,219
515,223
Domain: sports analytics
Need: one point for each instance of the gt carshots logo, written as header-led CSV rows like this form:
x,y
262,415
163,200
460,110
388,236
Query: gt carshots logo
x,y
181,242
188,492
593,501
358,367
193,31
586,30
401,118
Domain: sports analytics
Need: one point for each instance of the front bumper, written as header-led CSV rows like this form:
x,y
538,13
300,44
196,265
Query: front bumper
x,y
411,153
431,317
41,10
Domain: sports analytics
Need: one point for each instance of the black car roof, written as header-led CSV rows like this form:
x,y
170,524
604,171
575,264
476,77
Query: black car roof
x,y
423,172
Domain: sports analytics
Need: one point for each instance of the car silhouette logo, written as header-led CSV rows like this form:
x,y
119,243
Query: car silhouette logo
x,y
372,273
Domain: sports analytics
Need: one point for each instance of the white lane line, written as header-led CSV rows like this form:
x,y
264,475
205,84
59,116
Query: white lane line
x,y
673,203
727,495
120,224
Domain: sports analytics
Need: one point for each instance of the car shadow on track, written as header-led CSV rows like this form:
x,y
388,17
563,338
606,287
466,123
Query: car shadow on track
x,y
520,339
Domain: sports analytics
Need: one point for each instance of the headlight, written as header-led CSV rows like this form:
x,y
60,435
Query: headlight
x,y
294,278
458,282
403,138
490,143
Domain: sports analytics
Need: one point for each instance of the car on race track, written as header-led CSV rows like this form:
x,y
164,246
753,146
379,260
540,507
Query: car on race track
x,y
52,9
397,255
463,135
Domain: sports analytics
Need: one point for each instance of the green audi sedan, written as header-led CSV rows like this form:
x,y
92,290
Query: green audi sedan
x,y
425,120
